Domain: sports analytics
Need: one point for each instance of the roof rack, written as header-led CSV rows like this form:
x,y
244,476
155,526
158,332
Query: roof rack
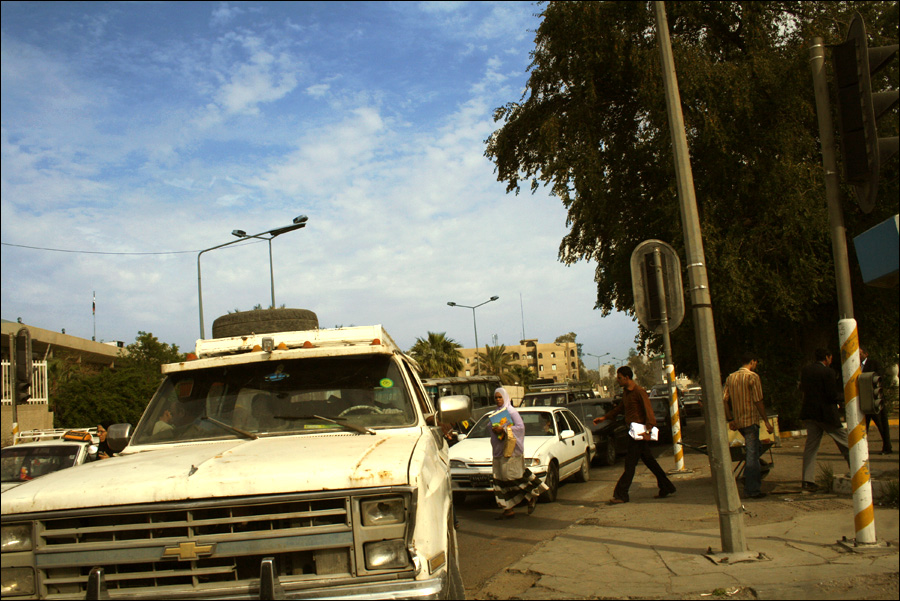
x,y
561,386
39,435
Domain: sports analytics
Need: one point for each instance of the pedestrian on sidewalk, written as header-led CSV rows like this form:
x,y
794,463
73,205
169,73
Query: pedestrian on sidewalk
x,y
820,414
743,409
870,364
513,482
636,406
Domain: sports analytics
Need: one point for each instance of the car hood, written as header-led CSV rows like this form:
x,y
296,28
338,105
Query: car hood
x,y
224,468
478,450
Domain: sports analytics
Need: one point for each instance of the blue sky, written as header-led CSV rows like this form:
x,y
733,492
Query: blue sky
x,y
138,128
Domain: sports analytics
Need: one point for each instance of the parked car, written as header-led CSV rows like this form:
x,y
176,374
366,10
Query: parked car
x,y
692,405
610,437
52,451
557,446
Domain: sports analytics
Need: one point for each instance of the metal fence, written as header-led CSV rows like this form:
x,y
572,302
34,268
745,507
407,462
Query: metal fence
x,y
39,386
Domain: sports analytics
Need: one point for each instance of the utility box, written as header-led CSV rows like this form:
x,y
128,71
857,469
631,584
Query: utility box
x,y
878,252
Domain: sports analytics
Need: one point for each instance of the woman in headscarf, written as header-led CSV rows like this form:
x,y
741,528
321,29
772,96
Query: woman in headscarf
x,y
513,482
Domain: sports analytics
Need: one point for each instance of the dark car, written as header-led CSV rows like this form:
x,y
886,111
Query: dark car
x,y
610,437
660,406
692,405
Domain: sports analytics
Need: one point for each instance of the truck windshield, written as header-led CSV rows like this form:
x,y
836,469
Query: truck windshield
x,y
307,395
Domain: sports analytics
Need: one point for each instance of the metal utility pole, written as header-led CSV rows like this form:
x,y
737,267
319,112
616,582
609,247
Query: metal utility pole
x,y
863,509
731,522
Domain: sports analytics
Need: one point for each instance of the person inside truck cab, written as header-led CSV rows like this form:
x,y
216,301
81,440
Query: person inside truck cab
x,y
103,450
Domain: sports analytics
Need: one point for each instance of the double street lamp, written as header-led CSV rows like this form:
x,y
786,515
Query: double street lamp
x,y
298,223
598,357
452,304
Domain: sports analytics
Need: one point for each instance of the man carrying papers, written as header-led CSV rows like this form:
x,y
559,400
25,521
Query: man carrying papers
x,y
642,424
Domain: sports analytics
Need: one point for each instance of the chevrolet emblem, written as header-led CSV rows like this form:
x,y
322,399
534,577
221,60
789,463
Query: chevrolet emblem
x,y
188,551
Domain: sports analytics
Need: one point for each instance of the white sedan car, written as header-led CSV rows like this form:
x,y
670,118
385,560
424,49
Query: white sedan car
x,y
557,446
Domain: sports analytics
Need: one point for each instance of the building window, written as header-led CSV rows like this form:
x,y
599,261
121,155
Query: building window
x,y
468,373
553,355
467,362
540,368
571,353
553,367
540,355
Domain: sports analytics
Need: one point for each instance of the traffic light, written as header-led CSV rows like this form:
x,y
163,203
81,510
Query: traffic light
x,y
859,109
24,366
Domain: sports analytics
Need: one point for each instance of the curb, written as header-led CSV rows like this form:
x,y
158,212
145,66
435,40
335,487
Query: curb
x,y
796,433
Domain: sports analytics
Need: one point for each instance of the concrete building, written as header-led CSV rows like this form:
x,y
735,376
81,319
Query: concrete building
x,y
45,346
557,361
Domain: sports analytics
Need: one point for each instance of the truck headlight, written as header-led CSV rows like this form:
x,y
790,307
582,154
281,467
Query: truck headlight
x,y
16,581
457,463
15,537
383,512
386,554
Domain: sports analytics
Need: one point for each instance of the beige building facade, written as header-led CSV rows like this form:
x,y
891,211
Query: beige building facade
x,y
556,361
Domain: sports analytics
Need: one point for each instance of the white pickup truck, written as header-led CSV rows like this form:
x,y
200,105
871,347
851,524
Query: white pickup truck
x,y
301,464
36,453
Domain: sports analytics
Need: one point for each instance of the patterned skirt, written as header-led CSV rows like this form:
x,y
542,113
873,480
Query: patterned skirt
x,y
513,482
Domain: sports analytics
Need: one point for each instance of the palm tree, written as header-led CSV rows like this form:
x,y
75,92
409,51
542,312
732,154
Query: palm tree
x,y
495,361
522,375
438,356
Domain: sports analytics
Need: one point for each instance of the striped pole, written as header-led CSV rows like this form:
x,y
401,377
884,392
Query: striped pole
x,y
863,510
677,449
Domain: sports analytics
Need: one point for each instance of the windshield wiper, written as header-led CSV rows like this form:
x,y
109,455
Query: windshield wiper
x,y
340,421
231,429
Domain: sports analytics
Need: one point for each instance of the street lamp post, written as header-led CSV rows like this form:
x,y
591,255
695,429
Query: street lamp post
x,y
452,304
599,375
298,223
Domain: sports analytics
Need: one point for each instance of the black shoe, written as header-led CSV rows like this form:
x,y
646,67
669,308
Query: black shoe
x,y
759,495
664,493
810,487
888,452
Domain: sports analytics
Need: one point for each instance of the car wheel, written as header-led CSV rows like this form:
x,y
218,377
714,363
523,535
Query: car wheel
x,y
552,482
584,474
608,455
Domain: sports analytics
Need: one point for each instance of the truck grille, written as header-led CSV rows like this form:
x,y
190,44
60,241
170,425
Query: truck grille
x,y
198,545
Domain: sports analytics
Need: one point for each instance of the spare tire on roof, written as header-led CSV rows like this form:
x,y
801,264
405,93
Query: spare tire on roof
x,y
264,321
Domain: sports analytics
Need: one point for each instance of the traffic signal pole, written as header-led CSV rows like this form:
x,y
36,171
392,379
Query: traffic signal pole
x,y
731,521
864,513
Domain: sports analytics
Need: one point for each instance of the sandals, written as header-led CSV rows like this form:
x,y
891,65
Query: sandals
x,y
531,505
506,516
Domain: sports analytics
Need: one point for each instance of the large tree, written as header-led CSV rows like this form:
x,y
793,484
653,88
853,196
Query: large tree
x,y
495,361
592,126
437,355
89,396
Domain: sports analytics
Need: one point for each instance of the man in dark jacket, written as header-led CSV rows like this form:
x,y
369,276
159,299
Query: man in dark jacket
x,y
870,364
820,414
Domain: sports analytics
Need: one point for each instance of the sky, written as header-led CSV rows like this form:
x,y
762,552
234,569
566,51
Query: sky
x,y
135,135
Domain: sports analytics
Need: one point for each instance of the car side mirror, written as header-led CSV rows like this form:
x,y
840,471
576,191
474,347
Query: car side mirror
x,y
566,434
118,437
455,408
461,436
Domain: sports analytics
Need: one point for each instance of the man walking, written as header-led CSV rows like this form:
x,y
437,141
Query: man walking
x,y
636,406
820,415
743,409
870,364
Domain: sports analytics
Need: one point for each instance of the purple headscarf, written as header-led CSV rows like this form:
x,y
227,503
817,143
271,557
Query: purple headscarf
x,y
518,428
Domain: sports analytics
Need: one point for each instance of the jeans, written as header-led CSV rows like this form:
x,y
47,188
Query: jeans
x,y
814,432
639,450
752,470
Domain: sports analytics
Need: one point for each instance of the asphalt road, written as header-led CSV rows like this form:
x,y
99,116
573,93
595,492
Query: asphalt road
x,y
487,545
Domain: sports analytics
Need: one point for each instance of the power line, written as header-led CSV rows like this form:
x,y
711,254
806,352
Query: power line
x,y
98,252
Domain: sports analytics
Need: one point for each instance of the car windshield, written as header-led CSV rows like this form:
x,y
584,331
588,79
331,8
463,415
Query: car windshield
x,y
21,463
307,395
537,423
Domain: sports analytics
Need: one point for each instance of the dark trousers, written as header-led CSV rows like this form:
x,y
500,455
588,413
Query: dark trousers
x,y
881,422
640,449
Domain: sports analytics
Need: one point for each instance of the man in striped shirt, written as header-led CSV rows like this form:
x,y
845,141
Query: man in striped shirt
x,y
743,408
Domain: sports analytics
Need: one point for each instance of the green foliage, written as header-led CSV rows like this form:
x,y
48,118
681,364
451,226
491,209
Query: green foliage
x,y
495,361
438,356
87,396
592,126
521,375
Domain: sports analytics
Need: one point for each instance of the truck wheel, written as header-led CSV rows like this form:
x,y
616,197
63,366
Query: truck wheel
x,y
455,587
264,321
552,481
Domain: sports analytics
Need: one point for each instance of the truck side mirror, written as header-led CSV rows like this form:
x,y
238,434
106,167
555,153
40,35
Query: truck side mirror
x,y
455,408
118,436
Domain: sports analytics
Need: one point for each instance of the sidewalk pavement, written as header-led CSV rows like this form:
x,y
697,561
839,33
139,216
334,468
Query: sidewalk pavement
x,y
671,548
